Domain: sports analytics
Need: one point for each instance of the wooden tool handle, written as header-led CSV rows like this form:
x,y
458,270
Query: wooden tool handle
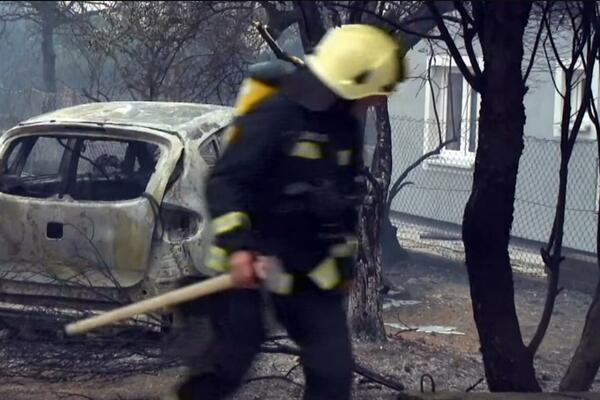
x,y
177,296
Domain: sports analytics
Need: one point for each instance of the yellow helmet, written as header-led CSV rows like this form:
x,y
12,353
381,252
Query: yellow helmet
x,y
357,61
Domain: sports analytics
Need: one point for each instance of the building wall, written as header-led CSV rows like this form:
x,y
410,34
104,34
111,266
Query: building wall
x,y
441,192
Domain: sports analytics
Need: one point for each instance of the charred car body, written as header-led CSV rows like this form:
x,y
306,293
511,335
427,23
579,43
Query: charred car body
x,y
103,202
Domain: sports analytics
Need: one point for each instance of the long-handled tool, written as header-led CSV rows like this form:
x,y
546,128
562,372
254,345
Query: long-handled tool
x,y
177,296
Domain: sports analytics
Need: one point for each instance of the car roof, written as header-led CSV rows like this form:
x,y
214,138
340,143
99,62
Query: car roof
x,y
187,119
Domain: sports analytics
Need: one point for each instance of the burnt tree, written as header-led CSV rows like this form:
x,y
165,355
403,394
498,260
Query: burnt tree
x,y
411,22
366,301
49,17
584,48
489,211
586,361
174,51
48,12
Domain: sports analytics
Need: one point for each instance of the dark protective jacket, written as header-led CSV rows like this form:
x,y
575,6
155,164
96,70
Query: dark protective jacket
x,y
287,187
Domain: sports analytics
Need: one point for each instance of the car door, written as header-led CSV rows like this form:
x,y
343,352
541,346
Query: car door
x,y
80,206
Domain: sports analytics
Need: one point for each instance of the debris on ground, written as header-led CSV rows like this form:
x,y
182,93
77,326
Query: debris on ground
x,y
399,303
430,333
442,330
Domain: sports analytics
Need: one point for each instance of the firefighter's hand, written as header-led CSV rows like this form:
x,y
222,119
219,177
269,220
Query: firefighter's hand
x,y
243,269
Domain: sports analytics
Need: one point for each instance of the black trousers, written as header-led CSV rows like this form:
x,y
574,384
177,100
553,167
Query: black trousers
x,y
314,319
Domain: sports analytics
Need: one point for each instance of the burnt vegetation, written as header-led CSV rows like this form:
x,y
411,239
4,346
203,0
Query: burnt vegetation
x,y
58,53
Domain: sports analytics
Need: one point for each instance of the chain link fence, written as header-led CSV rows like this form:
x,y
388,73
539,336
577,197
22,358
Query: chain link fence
x,y
429,211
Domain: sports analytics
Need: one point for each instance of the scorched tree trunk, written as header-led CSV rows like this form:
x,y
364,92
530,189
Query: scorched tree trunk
x,y
366,299
489,212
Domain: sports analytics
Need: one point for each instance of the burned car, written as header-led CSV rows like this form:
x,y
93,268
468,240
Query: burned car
x,y
103,202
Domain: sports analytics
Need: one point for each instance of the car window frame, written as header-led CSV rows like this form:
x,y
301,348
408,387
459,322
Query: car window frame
x,y
215,140
25,151
67,173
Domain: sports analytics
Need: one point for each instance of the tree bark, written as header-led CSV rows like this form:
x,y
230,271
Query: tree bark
x,y
489,212
366,318
374,225
310,23
392,251
48,14
586,360
366,300
278,20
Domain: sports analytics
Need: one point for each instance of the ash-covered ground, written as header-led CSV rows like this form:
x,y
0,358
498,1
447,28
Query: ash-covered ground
x,y
430,331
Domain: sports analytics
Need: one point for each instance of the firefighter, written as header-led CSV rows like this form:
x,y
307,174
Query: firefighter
x,y
283,201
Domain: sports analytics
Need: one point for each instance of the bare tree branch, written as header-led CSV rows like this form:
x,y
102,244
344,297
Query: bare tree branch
x,y
310,23
472,79
554,47
358,368
279,53
465,17
358,8
550,69
552,253
411,36
538,36
469,32
399,181
433,99
278,20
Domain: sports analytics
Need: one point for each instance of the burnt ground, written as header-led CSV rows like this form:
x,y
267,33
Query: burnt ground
x,y
428,292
